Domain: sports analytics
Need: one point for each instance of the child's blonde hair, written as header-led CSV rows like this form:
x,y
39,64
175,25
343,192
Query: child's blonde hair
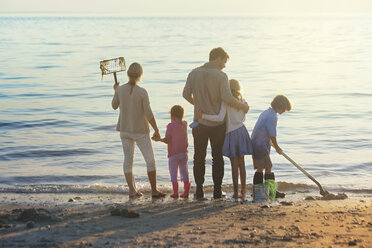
x,y
235,89
281,102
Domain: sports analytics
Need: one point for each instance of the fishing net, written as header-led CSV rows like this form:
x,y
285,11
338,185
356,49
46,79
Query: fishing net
x,y
271,186
112,65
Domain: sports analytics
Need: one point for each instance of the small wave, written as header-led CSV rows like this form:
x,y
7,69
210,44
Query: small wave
x,y
349,94
51,55
100,113
108,127
358,191
358,94
188,62
353,167
53,43
79,189
2,95
32,95
146,188
70,95
46,153
155,62
17,78
46,67
34,124
99,96
294,186
282,71
284,186
66,189
57,180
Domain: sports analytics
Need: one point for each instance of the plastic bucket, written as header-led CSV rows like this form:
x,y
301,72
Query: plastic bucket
x,y
259,193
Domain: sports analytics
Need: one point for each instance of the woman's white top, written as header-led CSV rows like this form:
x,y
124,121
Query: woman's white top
x,y
234,118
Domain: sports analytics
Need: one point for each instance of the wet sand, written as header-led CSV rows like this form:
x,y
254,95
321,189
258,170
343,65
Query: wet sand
x,y
90,220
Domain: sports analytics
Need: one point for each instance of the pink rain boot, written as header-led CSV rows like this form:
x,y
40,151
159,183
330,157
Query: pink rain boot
x,y
175,190
186,189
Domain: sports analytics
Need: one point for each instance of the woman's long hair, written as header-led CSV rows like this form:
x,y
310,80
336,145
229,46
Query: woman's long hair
x,y
134,73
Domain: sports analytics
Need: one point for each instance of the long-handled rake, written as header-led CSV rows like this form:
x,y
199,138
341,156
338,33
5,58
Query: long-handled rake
x,y
326,195
322,191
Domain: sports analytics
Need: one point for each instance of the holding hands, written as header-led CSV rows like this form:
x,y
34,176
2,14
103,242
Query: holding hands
x,y
156,137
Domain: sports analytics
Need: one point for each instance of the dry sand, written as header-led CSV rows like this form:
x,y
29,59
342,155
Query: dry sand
x,y
87,222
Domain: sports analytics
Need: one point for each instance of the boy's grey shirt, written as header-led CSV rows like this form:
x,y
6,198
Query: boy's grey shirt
x,y
209,86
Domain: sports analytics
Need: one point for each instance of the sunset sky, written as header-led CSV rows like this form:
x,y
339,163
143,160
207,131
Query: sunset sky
x,y
178,7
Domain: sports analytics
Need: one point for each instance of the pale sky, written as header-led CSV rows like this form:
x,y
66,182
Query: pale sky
x,y
181,7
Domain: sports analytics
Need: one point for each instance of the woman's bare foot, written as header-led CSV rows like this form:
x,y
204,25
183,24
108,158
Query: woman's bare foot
x,y
157,193
135,194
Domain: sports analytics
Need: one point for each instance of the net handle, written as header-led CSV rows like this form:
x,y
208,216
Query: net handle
x,y
116,80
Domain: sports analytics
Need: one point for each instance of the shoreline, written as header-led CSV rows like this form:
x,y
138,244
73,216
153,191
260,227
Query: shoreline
x,y
86,221
290,187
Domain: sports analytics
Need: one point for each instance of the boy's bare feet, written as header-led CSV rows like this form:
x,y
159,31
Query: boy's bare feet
x,y
236,196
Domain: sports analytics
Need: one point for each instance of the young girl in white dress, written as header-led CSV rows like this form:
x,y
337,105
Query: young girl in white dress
x,y
237,141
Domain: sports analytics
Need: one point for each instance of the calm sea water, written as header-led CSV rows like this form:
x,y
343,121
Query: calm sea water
x,y
57,127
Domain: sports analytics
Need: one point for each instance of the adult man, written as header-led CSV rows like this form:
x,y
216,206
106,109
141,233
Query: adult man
x,y
206,87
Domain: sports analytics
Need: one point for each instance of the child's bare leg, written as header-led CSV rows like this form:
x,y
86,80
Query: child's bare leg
x,y
242,173
267,171
235,175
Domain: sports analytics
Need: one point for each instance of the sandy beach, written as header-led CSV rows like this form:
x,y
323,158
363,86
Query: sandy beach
x,y
104,220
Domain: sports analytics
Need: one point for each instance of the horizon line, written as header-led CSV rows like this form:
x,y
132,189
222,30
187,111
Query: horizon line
x,y
186,14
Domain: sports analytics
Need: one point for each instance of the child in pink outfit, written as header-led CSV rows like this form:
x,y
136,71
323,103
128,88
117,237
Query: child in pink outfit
x,y
176,139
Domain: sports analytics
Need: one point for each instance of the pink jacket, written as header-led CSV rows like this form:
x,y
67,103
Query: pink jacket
x,y
176,138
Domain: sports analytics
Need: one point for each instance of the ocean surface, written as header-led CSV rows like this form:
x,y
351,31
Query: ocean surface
x,y
57,127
